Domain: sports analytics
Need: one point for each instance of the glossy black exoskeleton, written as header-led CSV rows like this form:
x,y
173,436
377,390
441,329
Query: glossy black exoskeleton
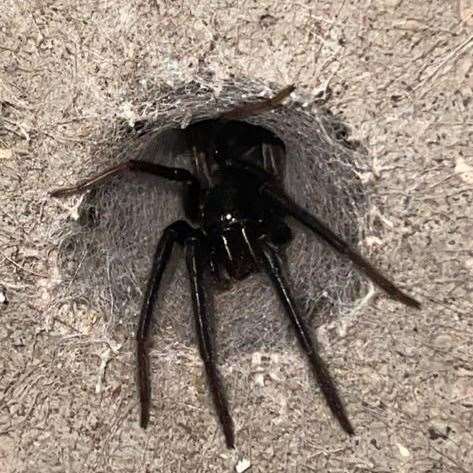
x,y
236,211
233,213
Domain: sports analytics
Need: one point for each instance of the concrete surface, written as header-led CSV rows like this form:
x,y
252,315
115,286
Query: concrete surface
x,y
401,76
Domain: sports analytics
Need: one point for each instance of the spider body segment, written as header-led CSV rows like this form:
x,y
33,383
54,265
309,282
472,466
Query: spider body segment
x,y
233,216
236,224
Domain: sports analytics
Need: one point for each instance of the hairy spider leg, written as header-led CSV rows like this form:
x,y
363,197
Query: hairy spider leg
x,y
191,197
195,269
274,270
285,203
176,232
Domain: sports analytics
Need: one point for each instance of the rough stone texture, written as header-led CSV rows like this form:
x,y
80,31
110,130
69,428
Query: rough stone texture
x,y
400,76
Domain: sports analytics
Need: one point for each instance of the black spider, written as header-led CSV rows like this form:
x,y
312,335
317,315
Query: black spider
x,y
239,208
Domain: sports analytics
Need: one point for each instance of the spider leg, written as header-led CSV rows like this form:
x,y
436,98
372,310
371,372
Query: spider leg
x,y
202,150
195,269
178,231
191,196
91,182
274,270
274,158
242,141
287,205
250,109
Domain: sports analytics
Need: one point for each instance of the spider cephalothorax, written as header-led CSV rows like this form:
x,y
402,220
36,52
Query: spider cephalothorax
x,y
236,211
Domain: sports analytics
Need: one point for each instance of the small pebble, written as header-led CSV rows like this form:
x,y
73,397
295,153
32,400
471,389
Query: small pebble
x,y
243,465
